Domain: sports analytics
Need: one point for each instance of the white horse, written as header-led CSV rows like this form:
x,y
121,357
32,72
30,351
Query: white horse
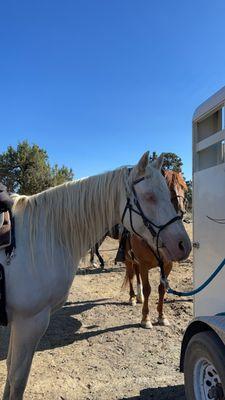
x,y
54,229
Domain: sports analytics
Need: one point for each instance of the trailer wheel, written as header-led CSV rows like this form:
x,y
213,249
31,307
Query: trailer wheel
x,y
204,367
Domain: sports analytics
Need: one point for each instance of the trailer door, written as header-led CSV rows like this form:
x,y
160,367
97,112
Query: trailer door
x,y
209,203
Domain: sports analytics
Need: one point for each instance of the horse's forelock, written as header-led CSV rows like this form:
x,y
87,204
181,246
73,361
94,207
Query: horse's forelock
x,y
181,180
173,177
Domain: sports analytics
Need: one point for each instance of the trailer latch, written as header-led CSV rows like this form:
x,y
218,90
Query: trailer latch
x,y
196,245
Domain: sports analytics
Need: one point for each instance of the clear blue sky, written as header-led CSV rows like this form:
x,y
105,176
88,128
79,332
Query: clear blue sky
x,y
97,82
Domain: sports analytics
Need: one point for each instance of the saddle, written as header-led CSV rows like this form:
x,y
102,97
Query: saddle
x,y
7,239
7,242
5,230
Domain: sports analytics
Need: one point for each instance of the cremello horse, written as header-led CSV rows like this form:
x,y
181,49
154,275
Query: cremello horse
x,y
55,228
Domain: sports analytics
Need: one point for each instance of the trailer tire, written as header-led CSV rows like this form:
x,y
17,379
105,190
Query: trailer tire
x,y
204,367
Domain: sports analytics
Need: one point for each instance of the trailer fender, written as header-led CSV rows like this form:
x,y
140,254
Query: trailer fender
x,y
214,323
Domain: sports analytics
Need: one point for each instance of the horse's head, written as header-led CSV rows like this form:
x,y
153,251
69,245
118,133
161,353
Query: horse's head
x,y
178,187
150,213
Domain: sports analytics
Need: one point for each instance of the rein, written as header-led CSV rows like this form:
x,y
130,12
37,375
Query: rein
x,y
151,226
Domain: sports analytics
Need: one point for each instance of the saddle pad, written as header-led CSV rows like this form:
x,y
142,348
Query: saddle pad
x,y
5,230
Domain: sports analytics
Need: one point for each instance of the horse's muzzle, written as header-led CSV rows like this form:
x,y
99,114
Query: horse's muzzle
x,y
177,250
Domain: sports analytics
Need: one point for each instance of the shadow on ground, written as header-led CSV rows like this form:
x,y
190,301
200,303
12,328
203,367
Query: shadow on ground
x,y
99,270
178,300
64,329
161,393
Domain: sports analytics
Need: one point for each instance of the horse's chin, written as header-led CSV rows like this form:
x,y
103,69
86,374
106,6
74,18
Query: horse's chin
x,y
163,251
170,256
166,255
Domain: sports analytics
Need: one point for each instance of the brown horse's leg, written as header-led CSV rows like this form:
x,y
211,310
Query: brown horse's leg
x,y
145,322
161,289
139,297
130,279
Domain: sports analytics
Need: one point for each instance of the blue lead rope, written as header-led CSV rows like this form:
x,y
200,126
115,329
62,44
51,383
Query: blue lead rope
x,y
201,287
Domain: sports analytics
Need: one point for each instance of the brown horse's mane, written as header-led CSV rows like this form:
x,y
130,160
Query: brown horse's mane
x,y
173,177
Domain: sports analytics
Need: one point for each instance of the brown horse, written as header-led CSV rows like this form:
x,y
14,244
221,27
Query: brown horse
x,y
139,258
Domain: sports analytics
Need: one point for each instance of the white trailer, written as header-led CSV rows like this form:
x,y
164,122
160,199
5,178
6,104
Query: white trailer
x,y
203,346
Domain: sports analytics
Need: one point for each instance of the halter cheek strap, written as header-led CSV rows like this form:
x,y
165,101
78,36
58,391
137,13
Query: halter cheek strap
x,y
151,226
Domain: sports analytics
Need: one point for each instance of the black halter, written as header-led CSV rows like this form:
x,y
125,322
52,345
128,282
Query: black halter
x,y
151,226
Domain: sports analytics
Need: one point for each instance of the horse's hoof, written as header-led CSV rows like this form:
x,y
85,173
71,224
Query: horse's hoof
x,y
146,324
163,321
133,301
140,299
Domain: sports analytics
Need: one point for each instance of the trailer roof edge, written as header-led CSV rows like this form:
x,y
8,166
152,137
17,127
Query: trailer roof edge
x,y
210,104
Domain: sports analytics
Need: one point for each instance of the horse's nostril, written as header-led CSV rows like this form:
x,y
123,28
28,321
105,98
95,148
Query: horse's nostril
x,y
181,245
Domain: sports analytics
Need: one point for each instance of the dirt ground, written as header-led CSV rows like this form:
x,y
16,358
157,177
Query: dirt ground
x,y
95,349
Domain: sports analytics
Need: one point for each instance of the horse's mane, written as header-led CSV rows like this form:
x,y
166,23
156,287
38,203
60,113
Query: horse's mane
x,y
76,213
173,177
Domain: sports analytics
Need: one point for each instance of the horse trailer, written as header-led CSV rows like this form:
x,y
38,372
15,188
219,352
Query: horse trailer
x,y
203,347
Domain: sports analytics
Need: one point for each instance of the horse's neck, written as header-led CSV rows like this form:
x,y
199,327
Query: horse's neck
x,y
107,216
75,216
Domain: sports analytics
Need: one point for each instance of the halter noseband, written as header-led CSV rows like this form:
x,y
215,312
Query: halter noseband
x,y
149,225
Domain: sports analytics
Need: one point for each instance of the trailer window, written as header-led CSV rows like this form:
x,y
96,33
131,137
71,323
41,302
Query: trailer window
x,y
209,125
211,156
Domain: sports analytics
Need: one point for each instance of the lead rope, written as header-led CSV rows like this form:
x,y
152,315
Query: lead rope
x,y
201,287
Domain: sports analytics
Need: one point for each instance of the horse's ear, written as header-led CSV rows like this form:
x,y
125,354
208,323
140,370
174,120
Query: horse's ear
x,y
143,162
158,163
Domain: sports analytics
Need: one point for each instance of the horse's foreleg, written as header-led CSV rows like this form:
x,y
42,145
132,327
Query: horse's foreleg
x,y
24,338
162,319
8,363
130,279
145,322
102,263
139,297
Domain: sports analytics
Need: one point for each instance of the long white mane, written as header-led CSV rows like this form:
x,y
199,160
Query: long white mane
x,y
75,214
